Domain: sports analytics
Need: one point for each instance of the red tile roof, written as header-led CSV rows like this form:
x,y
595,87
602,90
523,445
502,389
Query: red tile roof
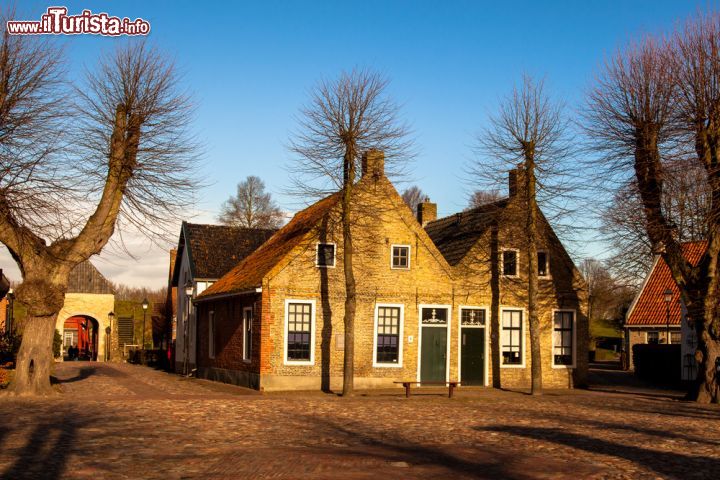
x,y
649,306
249,273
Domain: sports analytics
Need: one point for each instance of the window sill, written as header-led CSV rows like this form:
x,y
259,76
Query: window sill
x,y
564,367
512,366
405,269
387,365
300,363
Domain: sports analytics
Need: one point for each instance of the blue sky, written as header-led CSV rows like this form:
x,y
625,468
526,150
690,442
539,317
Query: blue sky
x,y
250,66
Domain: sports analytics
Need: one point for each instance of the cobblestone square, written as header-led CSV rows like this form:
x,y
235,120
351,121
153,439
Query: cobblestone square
x,y
125,421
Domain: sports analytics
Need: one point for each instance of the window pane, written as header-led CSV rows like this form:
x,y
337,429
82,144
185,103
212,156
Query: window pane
x,y
511,337
400,257
510,262
542,264
675,337
563,338
388,338
326,255
299,330
653,337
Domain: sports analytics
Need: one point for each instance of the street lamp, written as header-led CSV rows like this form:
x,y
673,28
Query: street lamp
x,y
108,338
668,295
145,305
188,295
9,318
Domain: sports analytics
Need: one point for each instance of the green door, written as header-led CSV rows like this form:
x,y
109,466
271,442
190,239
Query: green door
x,y
472,356
433,355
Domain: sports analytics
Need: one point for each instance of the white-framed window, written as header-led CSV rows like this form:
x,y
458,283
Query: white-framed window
x,y
564,336
325,255
211,334
299,332
652,337
512,338
543,261
400,257
510,262
387,343
247,333
675,337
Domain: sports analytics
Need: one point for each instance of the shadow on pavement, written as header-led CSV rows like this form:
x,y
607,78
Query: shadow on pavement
x,y
667,465
46,450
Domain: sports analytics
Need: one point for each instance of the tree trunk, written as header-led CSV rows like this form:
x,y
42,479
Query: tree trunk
x,y
35,358
533,320
708,353
350,299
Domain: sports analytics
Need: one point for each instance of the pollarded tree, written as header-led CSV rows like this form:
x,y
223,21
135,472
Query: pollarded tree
x,y
529,134
71,172
657,103
251,207
345,118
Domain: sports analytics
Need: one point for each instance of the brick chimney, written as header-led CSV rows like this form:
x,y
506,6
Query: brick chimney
x,y
512,182
373,163
426,212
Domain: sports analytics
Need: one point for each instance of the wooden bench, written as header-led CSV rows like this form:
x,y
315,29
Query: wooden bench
x,y
450,384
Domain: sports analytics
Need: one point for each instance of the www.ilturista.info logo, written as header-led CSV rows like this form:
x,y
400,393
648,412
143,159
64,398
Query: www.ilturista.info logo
x,y
57,22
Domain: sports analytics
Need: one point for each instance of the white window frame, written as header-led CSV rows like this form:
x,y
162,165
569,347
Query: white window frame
x,y
401,336
317,251
420,308
574,338
487,339
523,337
647,340
679,332
313,333
517,262
247,358
409,256
547,276
211,334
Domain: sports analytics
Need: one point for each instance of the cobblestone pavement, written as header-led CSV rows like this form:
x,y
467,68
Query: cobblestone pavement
x,y
125,421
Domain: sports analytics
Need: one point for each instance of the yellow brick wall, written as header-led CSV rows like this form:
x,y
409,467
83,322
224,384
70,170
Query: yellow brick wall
x,y
429,281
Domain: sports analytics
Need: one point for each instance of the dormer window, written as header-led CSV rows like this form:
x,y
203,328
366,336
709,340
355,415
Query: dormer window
x,y
510,263
325,257
400,257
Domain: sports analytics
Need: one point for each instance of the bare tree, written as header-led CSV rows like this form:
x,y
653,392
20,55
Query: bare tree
x,y
657,103
346,117
529,132
251,207
412,196
129,139
686,202
483,197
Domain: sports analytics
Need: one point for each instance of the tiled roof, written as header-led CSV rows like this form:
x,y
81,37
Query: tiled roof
x,y
85,278
456,234
249,273
649,306
215,249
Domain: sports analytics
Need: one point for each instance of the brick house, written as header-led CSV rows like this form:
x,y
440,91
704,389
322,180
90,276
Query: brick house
x,y
203,255
650,318
424,304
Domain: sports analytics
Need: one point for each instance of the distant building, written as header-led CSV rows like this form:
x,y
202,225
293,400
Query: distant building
x,y
204,254
84,318
650,317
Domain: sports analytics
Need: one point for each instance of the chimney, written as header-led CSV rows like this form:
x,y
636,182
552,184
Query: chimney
x,y
513,182
426,212
373,163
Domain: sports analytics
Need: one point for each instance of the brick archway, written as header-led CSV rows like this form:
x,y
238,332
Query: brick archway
x,y
81,332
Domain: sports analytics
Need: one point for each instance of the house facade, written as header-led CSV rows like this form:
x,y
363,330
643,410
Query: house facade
x,y
653,319
275,321
203,255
